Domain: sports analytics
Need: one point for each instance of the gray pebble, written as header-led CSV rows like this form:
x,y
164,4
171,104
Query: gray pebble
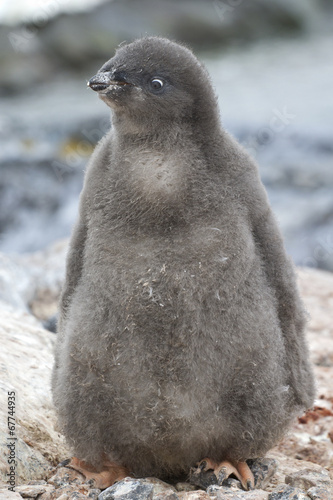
x,y
128,489
286,492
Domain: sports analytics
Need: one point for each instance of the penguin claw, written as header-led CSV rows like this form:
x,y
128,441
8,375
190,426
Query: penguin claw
x,y
250,485
109,474
64,463
203,465
222,474
209,472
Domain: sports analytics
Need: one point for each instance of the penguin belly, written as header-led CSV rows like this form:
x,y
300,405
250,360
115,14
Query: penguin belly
x,y
168,363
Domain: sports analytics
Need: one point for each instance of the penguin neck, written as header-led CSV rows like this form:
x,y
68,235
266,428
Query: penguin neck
x,y
155,133
155,175
166,135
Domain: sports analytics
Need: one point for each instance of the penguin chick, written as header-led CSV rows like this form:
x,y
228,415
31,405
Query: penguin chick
x,y
181,331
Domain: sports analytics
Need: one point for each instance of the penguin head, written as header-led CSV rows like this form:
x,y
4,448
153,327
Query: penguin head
x,y
155,80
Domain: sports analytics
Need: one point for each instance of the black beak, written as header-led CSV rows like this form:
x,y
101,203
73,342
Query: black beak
x,y
104,79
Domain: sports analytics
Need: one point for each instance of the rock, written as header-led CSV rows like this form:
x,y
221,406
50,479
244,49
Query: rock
x,y
286,492
202,478
46,274
72,491
50,324
182,486
32,282
225,493
69,482
287,466
195,495
317,493
159,487
37,481
263,469
93,493
254,495
65,476
167,495
213,490
308,478
33,490
316,289
37,445
231,484
15,283
128,489
6,494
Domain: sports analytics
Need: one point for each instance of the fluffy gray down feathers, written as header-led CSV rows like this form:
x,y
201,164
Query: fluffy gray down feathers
x,y
181,329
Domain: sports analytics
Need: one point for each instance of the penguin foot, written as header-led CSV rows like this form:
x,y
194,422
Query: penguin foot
x,y
109,473
209,472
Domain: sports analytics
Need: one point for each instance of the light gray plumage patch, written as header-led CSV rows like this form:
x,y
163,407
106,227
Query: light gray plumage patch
x,y
155,175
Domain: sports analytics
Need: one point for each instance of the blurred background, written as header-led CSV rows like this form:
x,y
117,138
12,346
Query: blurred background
x,y
271,66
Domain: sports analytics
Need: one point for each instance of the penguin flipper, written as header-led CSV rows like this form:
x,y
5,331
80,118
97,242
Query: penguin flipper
x,y
94,179
209,472
74,266
106,476
280,275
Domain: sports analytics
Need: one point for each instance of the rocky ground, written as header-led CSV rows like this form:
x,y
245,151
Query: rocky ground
x,y
299,468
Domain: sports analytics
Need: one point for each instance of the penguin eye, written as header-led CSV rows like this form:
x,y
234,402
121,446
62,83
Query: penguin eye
x,y
156,84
